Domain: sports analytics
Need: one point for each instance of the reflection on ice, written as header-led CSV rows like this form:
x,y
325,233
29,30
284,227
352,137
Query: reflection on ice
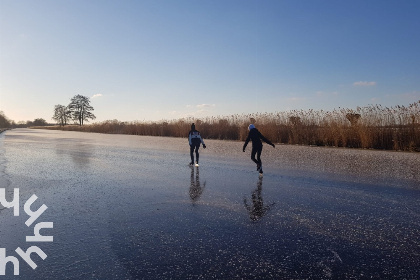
x,y
196,189
257,209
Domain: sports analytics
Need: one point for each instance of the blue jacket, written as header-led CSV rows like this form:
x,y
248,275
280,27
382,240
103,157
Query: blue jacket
x,y
194,137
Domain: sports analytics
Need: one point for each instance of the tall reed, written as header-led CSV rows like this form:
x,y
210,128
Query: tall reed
x,y
371,127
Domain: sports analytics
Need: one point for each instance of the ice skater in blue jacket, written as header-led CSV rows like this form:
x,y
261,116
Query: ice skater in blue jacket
x,y
195,140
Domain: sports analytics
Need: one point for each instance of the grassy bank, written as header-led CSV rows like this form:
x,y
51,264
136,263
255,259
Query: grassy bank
x,y
372,127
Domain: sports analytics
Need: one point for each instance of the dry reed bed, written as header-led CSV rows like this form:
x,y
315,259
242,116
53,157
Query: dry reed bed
x,y
371,127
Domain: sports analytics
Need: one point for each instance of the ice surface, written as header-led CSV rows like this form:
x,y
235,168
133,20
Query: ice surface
x,y
130,207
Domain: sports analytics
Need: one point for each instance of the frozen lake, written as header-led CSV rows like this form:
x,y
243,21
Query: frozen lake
x,y
129,207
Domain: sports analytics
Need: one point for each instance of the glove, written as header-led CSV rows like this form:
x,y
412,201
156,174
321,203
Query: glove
x,y
204,146
273,146
243,150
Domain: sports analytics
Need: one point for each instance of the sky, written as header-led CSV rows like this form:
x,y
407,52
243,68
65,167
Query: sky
x,y
162,60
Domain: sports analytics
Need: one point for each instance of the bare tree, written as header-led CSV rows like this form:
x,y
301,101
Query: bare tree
x,y
80,109
61,114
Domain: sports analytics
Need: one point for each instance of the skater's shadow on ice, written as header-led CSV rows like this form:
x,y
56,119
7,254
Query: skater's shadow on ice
x,y
257,209
196,189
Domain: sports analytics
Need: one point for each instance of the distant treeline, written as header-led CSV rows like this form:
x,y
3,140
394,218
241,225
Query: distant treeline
x,y
372,127
5,122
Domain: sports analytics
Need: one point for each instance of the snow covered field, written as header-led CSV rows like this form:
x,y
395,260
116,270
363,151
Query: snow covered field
x,y
129,207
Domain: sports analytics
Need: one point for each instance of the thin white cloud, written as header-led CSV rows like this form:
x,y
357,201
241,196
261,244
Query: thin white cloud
x,y
199,110
96,95
364,84
205,105
197,114
200,106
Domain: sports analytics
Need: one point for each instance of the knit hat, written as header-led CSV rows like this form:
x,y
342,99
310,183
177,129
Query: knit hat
x,y
251,126
193,126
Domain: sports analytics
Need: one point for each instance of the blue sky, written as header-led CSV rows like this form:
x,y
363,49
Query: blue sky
x,y
154,60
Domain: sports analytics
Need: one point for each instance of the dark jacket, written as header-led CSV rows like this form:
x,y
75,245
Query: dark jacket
x,y
255,136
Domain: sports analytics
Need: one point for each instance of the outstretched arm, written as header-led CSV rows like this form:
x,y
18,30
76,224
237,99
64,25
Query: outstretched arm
x,y
246,142
202,142
266,140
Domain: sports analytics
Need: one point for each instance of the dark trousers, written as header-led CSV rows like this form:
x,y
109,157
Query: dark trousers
x,y
194,146
256,150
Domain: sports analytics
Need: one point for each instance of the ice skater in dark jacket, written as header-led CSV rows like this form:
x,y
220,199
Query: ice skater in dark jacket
x,y
255,136
195,140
